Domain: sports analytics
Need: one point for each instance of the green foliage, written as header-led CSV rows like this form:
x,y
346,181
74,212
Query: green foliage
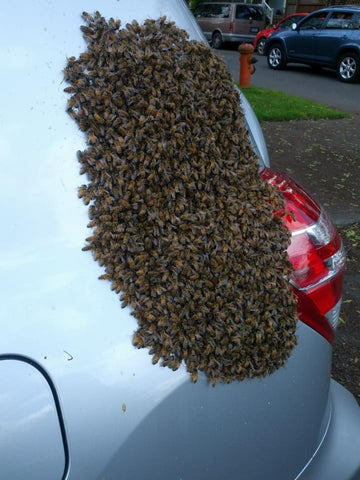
x,y
352,233
193,4
272,105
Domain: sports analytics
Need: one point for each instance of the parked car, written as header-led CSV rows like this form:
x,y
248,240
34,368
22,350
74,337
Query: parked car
x,y
286,22
77,400
229,21
329,37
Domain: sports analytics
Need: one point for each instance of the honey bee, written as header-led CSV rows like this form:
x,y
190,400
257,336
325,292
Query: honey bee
x,y
87,16
138,341
92,138
105,276
181,219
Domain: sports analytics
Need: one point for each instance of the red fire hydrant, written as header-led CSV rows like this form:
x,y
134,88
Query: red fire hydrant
x,y
246,64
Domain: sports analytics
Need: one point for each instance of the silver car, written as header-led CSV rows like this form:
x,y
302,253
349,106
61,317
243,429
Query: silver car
x,y
77,400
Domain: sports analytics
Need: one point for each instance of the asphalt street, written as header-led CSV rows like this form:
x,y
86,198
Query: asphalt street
x,y
321,86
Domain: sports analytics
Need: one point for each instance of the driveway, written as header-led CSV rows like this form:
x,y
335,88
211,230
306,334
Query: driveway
x,y
322,86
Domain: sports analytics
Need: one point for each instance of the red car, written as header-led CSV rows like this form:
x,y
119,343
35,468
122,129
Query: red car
x,y
286,22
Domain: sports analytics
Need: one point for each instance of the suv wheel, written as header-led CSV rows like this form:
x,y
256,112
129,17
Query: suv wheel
x,y
276,57
217,40
348,67
260,46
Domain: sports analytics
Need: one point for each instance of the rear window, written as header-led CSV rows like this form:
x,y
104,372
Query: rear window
x,y
214,10
343,21
356,21
248,12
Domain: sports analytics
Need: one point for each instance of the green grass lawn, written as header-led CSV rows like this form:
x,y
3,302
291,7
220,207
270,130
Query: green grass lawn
x,y
272,105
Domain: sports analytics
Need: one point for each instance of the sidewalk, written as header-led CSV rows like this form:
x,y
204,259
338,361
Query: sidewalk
x,y
324,157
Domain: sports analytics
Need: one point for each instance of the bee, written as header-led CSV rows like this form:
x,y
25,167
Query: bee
x,y
87,16
194,377
82,191
179,203
138,340
105,276
92,138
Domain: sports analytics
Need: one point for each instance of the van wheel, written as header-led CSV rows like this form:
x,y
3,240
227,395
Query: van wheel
x,y
217,40
348,67
276,57
261,45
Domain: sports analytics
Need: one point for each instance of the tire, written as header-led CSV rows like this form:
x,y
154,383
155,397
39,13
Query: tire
x,y
260,46
276,57
217,40
348,67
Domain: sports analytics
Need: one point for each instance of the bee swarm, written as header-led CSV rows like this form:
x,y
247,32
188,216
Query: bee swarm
x,y
182,221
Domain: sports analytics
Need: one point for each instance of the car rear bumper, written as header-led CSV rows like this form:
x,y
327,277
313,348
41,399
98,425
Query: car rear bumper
x,y
338,455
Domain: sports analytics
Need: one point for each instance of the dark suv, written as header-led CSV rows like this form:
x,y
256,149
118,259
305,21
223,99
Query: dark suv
x,y
327,38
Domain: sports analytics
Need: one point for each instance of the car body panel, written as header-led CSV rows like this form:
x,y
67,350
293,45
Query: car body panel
x,y
279,26
303,44
121,413
304,47
255,133
325,46
31,430
322,46
247,20
343,428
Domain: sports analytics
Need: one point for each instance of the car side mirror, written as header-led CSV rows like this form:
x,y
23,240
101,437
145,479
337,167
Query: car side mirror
x,y
294,26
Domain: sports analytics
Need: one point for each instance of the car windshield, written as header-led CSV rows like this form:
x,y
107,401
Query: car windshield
x,y
213,11
287,22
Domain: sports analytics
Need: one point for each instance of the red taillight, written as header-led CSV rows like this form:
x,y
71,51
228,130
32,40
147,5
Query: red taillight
x,y
231,27
316,253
